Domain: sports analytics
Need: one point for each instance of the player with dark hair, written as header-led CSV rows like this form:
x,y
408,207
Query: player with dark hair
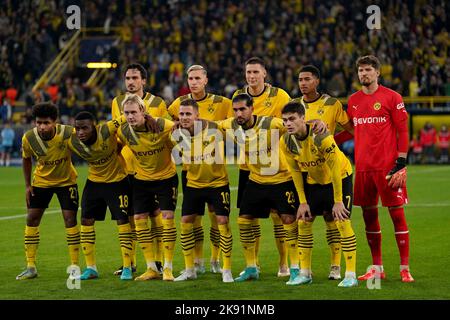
x,y
329,110
106,186
54,173
211,107
381,144
202,148
327,189
267,101
269,186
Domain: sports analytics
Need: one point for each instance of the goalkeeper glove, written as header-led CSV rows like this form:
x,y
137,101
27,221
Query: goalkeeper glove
x,y
397,175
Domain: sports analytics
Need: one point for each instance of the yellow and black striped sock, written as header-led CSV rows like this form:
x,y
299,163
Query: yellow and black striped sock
x,y
73,242
334,243
256,228
31,245
214,237
134,242
280,237
199,237
292,242
226,244
187,244
157,232
125,240
145,241
305,243
348,240
247,238
169,239
88,244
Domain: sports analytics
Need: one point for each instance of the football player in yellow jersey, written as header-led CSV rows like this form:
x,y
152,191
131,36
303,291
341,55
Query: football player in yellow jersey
x,y
270,185
54,173
135,80
267,101
328,189
106,186
202,148
155,183
211,107
330,111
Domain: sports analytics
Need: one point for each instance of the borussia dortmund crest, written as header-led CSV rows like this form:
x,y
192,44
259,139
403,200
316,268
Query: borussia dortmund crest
x,y
268,103
211,108
377,106
61,145
320,111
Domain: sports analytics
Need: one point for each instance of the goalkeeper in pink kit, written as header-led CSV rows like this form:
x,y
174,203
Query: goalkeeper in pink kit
x,y
381,143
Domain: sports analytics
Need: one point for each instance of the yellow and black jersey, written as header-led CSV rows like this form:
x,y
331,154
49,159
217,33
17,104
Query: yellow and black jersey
x,y
318,155
260,144
203,155
54,166
212,107
152,151
269,103
105,164
327,109
156,107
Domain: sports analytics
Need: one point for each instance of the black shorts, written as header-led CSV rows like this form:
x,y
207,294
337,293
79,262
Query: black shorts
x,y
194,200
151,195
67,197
130,195
183,180
258,199
321,198
243,179
97,196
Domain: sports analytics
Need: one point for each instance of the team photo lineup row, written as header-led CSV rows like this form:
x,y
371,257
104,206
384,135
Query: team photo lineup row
x,y
132,172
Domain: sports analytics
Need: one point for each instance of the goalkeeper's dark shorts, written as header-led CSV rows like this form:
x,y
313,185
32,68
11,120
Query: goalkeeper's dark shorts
x,y
372,185
320,197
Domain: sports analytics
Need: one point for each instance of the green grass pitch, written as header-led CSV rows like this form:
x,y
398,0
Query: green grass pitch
x,y
427,215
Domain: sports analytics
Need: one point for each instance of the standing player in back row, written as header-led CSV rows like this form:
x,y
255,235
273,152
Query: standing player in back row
x,y
267,101
381,144
328,109
211,107
135,80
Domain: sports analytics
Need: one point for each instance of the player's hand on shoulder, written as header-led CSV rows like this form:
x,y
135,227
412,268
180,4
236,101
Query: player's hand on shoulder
x,y
339,211
304,212
317,126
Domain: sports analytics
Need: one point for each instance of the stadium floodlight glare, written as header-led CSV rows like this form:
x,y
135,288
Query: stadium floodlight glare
x,y
101,65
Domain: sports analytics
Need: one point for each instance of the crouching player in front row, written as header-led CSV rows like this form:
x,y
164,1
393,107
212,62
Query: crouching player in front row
x,y
327,191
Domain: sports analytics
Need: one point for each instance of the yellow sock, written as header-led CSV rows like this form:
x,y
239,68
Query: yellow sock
x,y
145,241
31,245
348,240
226,244
214,236
187,244
134,242
88,244
280,237
73,242
256,228
199,237
169,238
125,244
292,242
157,231
305,244
248,241
334,242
